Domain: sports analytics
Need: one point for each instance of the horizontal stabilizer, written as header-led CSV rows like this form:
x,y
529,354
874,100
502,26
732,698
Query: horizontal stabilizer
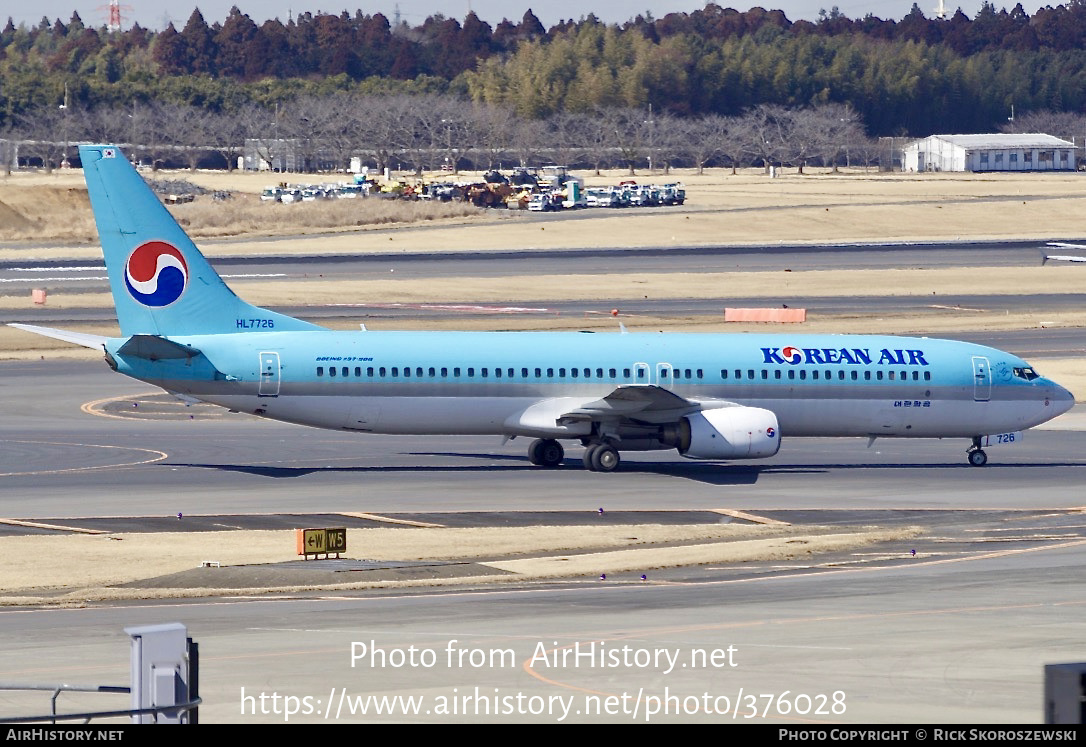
x,y
153,348
94,342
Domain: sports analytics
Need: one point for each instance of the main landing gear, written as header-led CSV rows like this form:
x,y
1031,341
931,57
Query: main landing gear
x,y
976,455
598,457
601,457
546,452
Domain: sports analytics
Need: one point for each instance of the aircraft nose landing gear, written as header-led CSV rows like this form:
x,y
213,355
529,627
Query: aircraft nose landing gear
x,y
976,455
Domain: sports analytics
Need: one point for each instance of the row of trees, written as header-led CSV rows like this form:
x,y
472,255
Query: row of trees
x,y
358,46
915,76
898,87
362,45
421,132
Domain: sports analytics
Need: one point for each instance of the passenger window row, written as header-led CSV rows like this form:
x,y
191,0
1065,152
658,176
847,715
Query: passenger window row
x,y
418,372
815,374
678,374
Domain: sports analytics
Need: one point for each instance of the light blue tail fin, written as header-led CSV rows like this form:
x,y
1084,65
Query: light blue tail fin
x,y
161,283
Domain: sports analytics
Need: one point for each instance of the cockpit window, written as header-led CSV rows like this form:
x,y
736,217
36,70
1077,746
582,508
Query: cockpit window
x,y
1026,373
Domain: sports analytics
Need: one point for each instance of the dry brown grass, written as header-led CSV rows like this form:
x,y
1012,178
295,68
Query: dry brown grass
x,y
57,213
721,208
44,213
71,569
245,214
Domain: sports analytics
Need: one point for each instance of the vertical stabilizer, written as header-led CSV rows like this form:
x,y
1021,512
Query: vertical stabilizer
x,y
161,283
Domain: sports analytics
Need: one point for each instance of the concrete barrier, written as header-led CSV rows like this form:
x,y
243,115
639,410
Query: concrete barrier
x,y
783,316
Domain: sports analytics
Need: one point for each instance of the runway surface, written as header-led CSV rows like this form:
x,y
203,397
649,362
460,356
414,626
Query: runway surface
x,y
60,461
930,642
959,633
16,275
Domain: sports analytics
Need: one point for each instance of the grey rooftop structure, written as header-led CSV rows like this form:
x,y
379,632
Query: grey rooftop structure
x,y
990,152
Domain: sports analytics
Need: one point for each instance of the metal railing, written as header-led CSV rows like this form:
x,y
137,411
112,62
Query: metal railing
x,y
57,689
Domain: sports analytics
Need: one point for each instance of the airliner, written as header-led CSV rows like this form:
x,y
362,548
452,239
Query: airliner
x,y
710,396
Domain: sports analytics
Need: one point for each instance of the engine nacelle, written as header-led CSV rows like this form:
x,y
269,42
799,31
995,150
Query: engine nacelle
x,y
729,433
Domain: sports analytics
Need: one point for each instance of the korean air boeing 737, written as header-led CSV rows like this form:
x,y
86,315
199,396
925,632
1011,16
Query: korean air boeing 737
x,y
711,396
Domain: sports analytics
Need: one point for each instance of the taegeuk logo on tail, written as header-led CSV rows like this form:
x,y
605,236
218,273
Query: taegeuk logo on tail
x,y
156,274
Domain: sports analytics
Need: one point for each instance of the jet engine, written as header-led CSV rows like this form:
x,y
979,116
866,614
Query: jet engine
x,y
727,433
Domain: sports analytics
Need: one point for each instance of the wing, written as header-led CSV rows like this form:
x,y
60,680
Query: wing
x,y
641,404
625,407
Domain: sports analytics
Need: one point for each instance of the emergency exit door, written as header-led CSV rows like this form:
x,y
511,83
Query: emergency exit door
x,y
269,375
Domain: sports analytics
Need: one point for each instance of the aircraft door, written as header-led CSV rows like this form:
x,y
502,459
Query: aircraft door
x,y
641,374
982,379
665,375
269,375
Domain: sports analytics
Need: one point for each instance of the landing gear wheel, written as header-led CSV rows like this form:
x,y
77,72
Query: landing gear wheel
x,y
546,452
978,458
589,453
605,458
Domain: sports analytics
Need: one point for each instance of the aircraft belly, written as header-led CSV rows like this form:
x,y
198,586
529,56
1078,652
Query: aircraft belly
x,y
948,416
928,419
389,415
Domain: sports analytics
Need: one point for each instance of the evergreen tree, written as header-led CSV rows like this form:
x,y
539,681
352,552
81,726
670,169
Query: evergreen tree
x,y
199,45
170,52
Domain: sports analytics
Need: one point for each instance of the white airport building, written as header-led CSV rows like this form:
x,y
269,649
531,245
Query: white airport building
x,y
1019,152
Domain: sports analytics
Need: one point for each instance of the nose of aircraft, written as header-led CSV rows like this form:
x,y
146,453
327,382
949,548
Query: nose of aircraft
x,y
1061,400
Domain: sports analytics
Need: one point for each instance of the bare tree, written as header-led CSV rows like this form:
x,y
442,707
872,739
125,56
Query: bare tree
x,y
764,131
631,132
528,141
102,124
449,124
8,148
157,130
842,131
598,139
801,133
566,136
415,133
142,122
315,126
700,142
44,132
869,150
229,141
666,140
260,128
380,129
329,125
488,134
186,130
712,137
